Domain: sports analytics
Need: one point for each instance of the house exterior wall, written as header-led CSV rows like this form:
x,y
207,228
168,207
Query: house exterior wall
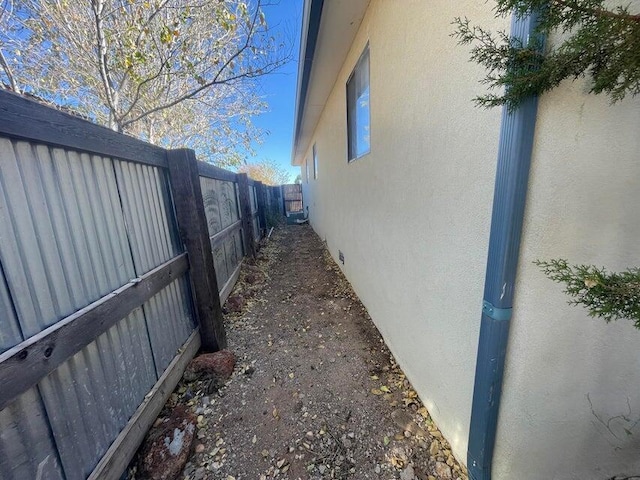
x,y
582,205
412,219
412,216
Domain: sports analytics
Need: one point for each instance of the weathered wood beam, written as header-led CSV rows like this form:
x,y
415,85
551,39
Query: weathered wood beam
x,y
217,173
192,224
261,197
26,119
225,233
247,218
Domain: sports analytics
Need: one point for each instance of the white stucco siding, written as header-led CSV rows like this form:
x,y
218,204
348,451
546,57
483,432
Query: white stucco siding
x,y
412,217
583,205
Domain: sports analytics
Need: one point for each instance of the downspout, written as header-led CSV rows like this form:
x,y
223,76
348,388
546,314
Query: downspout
x,y
514,159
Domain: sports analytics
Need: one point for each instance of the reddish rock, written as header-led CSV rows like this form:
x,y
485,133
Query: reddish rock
x,y
251,278
217,365
168,445
234,303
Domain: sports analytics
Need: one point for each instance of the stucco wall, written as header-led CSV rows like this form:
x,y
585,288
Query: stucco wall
x,y
583,205
412,217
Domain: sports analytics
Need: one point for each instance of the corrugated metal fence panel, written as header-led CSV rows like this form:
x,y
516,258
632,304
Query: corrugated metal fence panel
x,y
171,320
65,245
64,242
26,447
91,397
146,201
222,210
9,328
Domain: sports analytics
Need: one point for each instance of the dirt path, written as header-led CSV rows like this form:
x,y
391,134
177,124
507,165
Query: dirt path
x,y
315,393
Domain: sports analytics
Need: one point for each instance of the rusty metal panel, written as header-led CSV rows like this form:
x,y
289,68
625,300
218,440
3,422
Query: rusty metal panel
x,y
90,398
27,449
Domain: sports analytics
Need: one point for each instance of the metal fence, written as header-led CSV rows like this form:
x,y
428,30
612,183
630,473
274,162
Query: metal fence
x,y
110,251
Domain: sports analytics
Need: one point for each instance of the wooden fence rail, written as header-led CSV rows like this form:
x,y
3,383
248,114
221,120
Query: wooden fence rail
x,y
115,258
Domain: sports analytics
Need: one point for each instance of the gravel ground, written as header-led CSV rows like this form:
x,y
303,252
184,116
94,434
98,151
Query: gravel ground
x,y
315,393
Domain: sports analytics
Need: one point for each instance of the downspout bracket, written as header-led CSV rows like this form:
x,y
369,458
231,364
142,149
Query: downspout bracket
x,y
499,314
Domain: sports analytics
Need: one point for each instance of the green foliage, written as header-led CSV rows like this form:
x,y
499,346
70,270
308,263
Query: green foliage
x,y
595,41
610,296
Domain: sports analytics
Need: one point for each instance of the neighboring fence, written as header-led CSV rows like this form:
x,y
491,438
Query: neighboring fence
x,y
292,198
114,258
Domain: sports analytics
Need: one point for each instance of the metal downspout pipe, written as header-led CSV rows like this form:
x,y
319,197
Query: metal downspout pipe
x,y
512,176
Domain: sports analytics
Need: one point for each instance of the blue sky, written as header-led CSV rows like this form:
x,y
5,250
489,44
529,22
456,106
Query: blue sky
x,y
279,89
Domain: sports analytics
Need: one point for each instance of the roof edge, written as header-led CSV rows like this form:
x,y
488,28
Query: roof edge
x,y
308,41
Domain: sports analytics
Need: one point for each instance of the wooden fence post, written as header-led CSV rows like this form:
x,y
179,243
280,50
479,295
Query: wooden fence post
x,y
192,223
261,194
245,209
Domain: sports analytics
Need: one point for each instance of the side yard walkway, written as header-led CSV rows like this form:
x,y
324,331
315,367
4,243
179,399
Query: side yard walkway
x,y
315,393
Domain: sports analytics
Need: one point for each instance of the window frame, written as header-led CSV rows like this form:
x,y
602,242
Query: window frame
x,y
315,161
352,123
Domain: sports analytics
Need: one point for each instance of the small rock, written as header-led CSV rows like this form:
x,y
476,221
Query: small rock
x,y
199,448
199,474
443,470
217,365
434,448
408,473
252,278
167,447
405,421
234,303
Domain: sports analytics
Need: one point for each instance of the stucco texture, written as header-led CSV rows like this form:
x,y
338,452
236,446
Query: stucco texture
x,y
412,216
567,374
